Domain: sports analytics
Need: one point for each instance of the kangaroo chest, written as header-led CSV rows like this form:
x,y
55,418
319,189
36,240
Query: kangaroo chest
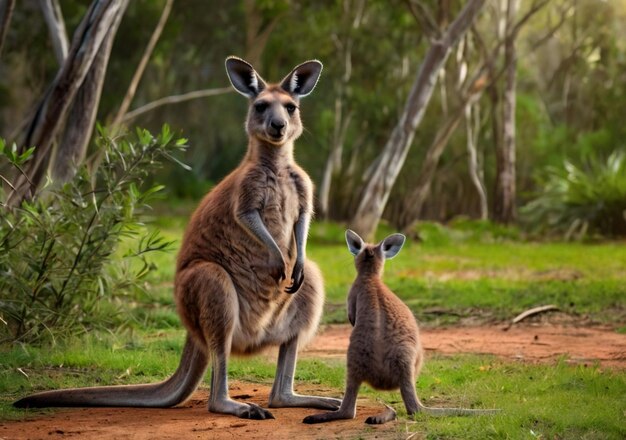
x,y
280,207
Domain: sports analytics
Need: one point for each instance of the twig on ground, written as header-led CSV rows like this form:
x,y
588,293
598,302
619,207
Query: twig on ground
x,y
531,312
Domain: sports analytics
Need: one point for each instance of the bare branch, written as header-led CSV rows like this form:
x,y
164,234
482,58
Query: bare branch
x,y
540,41
132,88
536,7
174,99
422,15
56,25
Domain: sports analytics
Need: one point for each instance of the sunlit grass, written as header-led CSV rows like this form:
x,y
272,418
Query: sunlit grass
x,y
537,401
457,278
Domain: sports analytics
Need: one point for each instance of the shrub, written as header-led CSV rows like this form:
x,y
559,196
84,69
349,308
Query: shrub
x,y
577,201
60,262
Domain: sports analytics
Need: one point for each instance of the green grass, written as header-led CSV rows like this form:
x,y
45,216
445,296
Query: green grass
x,y
496,280
444,280
450,276
537,401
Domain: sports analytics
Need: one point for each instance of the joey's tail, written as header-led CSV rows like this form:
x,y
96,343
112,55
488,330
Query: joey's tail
x,y
454,411
170,392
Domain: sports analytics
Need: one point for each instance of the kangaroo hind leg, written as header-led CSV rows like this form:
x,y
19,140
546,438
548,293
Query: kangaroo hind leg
x,y
296,328
348,405
209,306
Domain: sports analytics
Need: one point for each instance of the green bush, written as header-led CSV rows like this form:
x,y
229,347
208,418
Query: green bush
x,y
463,230
60,263
580,200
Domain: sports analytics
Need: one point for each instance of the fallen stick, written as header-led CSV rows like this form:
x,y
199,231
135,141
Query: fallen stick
x,y
531,312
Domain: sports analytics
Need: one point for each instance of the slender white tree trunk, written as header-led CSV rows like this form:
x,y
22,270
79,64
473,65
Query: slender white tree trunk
x,y
505,194
352,17
472,125
56,25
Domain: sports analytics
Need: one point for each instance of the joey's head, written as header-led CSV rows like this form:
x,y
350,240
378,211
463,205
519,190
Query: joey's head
x,y
369,259
274,115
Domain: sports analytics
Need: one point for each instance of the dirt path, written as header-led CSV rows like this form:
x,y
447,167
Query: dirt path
x,y
527,343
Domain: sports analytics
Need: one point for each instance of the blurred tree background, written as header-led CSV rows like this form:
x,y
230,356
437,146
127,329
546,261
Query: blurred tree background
x,y
523,125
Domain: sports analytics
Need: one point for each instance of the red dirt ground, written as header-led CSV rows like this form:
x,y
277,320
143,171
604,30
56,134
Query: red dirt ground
x,y
523,343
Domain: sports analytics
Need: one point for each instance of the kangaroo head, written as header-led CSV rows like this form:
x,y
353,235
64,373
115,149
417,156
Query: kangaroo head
x,y
273,116
370,258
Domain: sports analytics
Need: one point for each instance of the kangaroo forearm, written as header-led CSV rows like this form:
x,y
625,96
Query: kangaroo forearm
x,y
301,231
252,222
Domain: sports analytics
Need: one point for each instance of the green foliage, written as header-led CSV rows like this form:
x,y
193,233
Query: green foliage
x,y
581,200
59,270
463,230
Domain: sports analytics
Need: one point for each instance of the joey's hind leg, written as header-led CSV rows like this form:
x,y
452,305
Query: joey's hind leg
x,y
298,326
409,395
208,305
348,405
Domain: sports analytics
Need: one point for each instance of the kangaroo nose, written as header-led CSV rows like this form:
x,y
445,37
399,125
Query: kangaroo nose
x,y
277,124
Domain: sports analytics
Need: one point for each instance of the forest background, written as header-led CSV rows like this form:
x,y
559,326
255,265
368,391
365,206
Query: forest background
x,y
523,124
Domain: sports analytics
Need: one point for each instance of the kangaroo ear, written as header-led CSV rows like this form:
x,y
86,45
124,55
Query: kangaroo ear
x,y
302,79
355,243
392,245
243,77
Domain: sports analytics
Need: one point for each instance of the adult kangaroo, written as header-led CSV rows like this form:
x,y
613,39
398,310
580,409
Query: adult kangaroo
x,y
231,288
385,348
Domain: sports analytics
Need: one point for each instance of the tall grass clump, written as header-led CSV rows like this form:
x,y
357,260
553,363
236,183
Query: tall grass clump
x,y
576,201
61,267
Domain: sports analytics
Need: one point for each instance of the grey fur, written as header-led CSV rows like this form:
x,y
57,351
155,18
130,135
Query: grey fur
x,y
385,349
242,281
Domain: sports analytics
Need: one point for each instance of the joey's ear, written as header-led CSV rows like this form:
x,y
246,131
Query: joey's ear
x,y
355,243
243,77
392,245
302,79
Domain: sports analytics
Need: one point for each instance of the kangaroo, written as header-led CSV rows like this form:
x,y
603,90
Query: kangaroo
x,y
231,288
385,349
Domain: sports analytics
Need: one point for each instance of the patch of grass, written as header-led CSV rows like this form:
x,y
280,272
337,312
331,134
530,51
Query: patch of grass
x,y
537,401
496,280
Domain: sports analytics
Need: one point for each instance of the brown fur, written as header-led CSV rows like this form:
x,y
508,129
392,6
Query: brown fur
x,y
385,349
242,280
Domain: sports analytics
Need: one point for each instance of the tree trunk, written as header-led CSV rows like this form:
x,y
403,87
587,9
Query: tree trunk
x,y
351,19
472,125
390,162
333,163
71,151
505,192
6,11
420,193
53,108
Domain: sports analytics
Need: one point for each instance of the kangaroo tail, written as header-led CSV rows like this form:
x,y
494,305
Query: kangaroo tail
x,y
170,392
455,411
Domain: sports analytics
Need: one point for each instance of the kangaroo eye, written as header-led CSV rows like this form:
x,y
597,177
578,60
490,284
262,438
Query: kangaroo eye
x,y
290,108
260,107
